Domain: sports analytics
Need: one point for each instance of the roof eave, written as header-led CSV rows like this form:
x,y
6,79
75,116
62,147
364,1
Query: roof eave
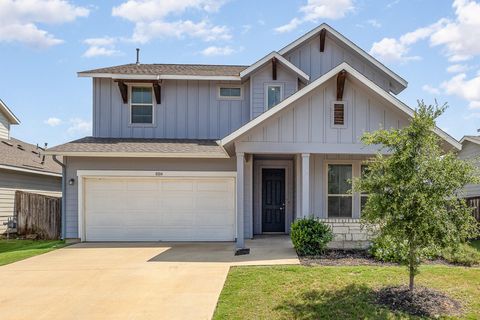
x,y
44,173
11,117
118,76
136,154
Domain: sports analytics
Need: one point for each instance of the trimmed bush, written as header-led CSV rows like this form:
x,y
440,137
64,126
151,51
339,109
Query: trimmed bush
x,y
310,236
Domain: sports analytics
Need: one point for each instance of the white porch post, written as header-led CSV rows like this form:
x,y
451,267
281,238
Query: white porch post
x,y
305,185
240,243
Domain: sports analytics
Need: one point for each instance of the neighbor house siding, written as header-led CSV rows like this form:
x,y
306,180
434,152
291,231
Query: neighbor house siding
x,y
262,77
143,164
188,109
310,60
4,127
11,181
471,152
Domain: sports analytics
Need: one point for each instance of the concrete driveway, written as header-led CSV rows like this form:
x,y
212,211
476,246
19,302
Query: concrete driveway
x,y
129,280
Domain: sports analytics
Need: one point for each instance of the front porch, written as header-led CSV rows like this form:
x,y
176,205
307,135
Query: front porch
x,y
273,190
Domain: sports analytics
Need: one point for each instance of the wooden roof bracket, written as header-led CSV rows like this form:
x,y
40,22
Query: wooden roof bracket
x,y
157,89
123,91
342,75
274,68
323,33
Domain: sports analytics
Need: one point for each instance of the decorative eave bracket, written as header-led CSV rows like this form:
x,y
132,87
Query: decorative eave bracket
x,y
323,34
342,75
274,68
157,89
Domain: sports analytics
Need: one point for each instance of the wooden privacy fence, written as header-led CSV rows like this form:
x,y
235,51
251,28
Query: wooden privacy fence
x,y
38,214
475,204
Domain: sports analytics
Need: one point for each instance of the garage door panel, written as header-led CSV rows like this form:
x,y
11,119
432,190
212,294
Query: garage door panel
x,y
160,209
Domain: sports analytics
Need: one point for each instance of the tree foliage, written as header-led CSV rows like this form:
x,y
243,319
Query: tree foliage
x,y
413,189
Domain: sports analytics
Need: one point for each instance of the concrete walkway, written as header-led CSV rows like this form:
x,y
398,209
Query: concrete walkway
x,y
129,280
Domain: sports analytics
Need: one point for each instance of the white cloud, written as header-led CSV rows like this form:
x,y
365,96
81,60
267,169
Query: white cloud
x,y
246,28
467,89
100,47
19,20
432,90
217,51
315,10
397,50
53,122
457,68
79,126
153,19
374,23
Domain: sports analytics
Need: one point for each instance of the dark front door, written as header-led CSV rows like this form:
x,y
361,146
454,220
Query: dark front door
x,y
273,200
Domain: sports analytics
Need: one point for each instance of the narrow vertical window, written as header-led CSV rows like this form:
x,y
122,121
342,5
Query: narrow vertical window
x,y
141,105
339,200
273,95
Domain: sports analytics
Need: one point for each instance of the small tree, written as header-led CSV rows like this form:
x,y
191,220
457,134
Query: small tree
x,y
412,190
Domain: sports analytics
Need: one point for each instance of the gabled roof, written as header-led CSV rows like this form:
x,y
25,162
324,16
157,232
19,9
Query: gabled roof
x,y
260,63
332,73
400,82
20,156
8,113
473,139
139,147
167,71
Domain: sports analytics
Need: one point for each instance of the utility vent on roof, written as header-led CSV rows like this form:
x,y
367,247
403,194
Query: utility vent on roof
x,y
7,143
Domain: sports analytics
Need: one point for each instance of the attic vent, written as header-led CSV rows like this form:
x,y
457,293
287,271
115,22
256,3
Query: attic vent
x,y
338,114
7,143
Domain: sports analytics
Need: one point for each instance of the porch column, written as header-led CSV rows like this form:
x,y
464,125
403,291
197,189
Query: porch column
x,y
240,243
305,185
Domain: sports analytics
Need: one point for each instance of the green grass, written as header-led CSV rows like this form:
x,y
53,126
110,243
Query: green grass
x,y
15,250
300,292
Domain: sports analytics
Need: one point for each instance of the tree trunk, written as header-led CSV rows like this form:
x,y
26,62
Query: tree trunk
x,y
412,278
411,265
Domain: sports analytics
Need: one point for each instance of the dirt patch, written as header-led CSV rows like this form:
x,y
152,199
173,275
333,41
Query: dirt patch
x,y
422,301
343,258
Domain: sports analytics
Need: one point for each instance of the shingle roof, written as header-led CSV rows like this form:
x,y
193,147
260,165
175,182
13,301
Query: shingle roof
x,y
171,69
156,147
18,154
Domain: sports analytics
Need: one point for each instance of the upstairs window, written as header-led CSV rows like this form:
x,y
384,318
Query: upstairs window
x,y
339,114
141,105
230,92
273,95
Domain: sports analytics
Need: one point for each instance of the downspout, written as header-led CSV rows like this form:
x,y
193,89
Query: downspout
x,y
64,193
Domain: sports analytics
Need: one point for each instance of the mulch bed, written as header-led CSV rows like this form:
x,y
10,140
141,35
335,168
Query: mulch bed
x,y
342,258
422,301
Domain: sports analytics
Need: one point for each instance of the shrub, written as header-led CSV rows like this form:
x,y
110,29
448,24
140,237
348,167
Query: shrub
x,y
465,255
310,236
385,249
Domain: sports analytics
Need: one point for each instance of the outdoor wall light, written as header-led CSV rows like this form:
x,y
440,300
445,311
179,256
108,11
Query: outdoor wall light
x,y
71,181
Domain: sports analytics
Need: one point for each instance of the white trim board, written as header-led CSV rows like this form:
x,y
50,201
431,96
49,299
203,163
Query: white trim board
x,y
467,138
12,168
350,44
119,76
8,113
138,154
351,73
245,73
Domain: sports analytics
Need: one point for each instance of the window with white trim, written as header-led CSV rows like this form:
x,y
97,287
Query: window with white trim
x,y
141,105
273,95
339,200
230,92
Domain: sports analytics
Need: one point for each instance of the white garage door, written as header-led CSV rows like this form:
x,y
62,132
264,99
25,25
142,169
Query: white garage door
x,y
159,209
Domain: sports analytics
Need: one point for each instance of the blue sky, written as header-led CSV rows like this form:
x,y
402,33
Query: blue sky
x,y
434,45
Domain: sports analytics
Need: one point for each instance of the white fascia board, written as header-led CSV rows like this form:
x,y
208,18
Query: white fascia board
x,y
137,154
43,173
305,77
350,72
8,113
157,77
350,44
465,138
159,173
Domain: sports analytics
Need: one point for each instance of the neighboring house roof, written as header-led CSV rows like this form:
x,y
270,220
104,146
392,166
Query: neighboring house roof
x,y
21,156
167,71
8,113
400,82
139,147
474,139
260,63
351,72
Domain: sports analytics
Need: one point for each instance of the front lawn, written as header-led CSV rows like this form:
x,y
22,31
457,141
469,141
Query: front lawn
x,y
15,250
300,292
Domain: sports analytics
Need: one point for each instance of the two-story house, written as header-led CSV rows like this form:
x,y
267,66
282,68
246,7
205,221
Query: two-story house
x,y
223,152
